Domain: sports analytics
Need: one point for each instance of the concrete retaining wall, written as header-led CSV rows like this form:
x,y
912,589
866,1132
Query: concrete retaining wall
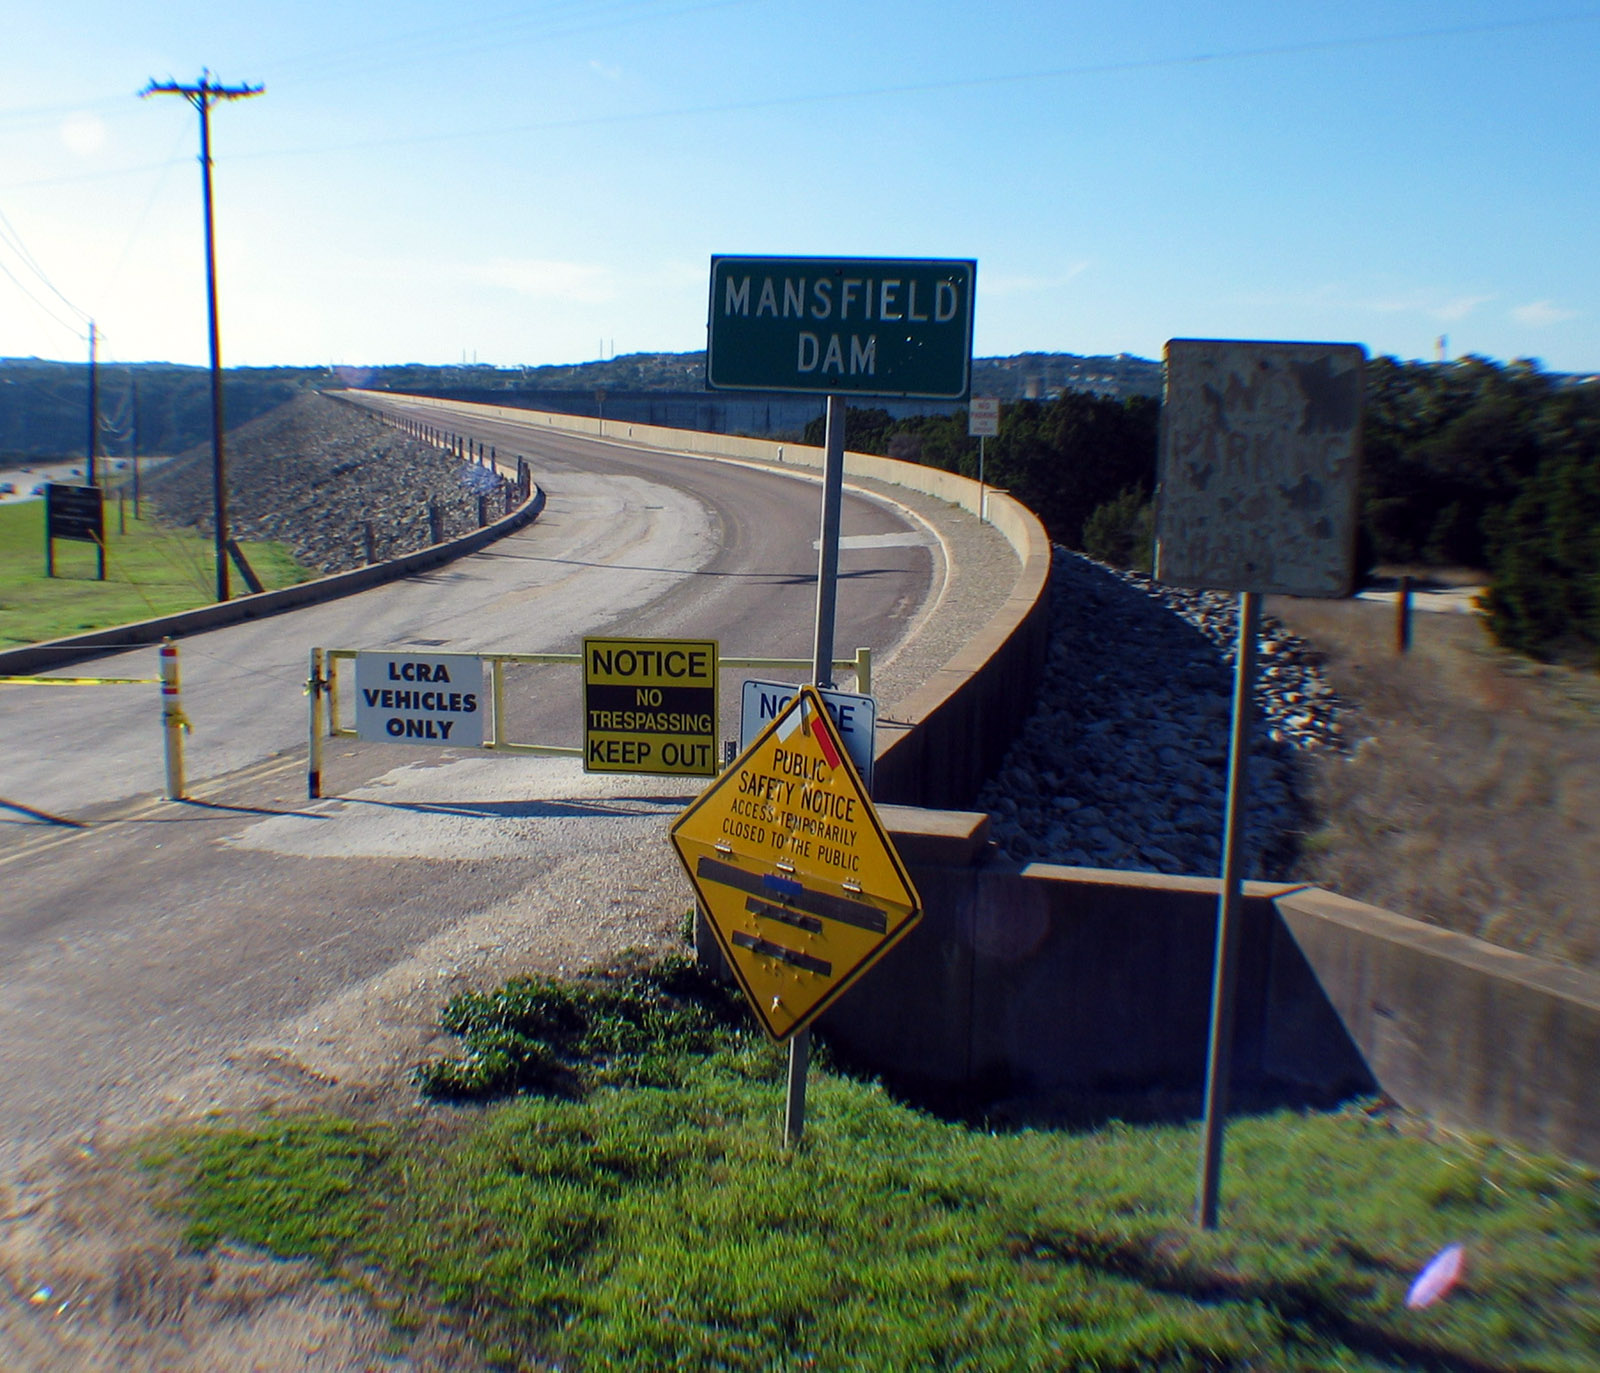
x,y
1474,1036
1067,985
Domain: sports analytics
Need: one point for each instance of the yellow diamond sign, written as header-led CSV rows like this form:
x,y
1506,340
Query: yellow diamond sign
x,y
793,869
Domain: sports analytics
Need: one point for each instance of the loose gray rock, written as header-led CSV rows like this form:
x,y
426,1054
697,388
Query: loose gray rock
x,y
1123,762
314,472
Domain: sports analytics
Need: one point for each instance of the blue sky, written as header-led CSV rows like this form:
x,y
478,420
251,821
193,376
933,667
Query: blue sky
x,y
547,181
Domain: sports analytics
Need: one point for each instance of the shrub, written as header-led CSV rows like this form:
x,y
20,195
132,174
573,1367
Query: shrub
x,y
1122,531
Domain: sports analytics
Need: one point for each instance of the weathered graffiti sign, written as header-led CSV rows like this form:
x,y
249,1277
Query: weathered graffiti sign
x,y
1260,456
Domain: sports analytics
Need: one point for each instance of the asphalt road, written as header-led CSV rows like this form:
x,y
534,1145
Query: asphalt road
x,y
152,952
631,542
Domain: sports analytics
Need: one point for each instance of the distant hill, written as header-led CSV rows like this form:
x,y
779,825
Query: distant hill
x,y
158,407
1036,375
145,407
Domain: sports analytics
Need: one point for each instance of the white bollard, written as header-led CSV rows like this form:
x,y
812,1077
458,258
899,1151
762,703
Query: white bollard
x,y
173,720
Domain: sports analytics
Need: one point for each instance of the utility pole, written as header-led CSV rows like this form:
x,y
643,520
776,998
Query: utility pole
x,y
133,436
201,96
94,412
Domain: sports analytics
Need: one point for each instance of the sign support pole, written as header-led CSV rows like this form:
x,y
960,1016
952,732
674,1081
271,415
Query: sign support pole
x,y
315,685
828,545
794,1115
1219,1049
794,1105
983,495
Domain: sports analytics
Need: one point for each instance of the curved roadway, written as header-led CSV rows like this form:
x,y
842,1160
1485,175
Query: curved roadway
x,y
246,945
631,542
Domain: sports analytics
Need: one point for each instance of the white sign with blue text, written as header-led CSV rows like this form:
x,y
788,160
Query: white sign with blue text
x,y
855,717
420,698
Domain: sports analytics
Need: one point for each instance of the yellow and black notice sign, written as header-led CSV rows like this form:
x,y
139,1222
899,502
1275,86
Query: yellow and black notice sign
x,y
650,705
793,868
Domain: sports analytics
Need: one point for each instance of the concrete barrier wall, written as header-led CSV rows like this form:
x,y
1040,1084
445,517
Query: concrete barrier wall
x,y
960,723
1474,1036
53,653
1013,522
1057,984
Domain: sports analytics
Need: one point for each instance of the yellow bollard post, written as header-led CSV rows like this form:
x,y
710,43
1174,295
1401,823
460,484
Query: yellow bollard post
x,y
314,690
864,672
497,691
172,719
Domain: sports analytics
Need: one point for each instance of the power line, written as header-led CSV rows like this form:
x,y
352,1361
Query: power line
x,y
25,116
77,177
1302,48
70,328
13,240
454,39
139,220
1114,68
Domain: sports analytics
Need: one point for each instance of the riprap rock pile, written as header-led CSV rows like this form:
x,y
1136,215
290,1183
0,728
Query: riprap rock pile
x,y
314,472
1123,763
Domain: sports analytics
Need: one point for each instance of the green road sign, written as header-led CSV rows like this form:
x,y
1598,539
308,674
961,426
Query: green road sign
x,y
830,326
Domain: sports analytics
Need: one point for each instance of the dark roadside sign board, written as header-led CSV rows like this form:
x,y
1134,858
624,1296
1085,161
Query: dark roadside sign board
x,y
77,513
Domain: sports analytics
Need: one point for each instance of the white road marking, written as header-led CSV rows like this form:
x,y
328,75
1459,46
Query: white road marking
x,y
909,538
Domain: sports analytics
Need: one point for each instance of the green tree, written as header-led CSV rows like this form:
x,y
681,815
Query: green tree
x,y
1544,545
865,431
1122,531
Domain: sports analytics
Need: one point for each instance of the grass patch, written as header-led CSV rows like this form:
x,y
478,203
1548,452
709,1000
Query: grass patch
x,y
664,1226
537,1034
150,571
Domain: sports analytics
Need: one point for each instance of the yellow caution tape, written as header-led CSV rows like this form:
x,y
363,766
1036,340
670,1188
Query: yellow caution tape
x,y
80,681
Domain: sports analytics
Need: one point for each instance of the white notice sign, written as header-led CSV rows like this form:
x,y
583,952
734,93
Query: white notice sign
x,y
420,698
983,419
855,717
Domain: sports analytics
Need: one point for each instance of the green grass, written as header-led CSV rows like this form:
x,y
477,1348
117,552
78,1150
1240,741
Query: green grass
x,y
664,1226
150,571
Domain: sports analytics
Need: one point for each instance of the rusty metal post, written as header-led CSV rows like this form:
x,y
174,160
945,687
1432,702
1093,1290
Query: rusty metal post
x,y
1225,967
315,685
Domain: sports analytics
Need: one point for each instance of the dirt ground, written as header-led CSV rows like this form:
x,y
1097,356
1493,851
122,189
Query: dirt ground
x,y
1471,797
94,1271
